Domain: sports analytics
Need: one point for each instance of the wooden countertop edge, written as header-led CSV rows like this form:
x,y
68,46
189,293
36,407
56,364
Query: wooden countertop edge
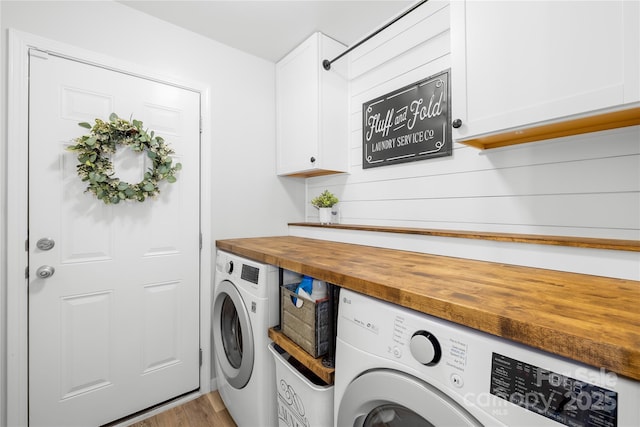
x,y
579,242
622,359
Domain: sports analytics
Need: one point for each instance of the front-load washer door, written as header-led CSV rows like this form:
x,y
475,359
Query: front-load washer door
x,y
392,398
232,335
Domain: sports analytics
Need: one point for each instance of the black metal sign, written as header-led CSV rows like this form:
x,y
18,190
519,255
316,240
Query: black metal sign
x,y
411,123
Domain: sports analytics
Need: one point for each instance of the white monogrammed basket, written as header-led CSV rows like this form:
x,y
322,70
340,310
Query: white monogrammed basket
x,y
301,403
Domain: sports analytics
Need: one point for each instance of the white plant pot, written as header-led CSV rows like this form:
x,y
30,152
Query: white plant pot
x,y
325,215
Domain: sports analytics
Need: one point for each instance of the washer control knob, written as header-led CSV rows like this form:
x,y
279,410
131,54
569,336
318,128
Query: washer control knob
x,y
425,348
229,267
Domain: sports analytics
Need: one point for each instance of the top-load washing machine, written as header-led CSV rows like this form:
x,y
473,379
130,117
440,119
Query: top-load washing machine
x,y
398,367
245,306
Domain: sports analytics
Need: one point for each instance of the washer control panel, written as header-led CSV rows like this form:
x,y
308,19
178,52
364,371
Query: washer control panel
x,y
505,383
261,280
404,336
566,400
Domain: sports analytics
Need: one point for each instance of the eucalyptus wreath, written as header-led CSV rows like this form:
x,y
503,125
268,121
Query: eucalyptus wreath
x,y
95,167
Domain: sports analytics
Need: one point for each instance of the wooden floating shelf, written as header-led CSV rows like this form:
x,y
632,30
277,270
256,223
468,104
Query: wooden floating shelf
x,y
537,239
298,353
313,173
568,127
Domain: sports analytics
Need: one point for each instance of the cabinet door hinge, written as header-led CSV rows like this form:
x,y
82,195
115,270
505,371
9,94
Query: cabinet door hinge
x,y
26,272
200,357
26,245
200,241
200,124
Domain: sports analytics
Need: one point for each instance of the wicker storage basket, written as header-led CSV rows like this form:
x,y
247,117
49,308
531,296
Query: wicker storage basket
x,y
308,325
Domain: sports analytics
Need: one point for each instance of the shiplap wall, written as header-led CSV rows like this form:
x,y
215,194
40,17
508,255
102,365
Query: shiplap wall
x,y
586,185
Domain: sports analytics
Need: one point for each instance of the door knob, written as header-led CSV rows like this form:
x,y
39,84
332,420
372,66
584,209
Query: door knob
x,y
45,271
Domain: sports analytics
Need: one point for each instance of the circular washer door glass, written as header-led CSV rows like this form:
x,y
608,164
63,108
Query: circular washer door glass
x,y
386,397
232,335
392,415
231,331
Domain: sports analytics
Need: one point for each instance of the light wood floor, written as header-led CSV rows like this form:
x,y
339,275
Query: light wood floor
x,y
205,411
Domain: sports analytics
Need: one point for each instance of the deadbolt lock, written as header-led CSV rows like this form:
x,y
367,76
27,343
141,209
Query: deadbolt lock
x,y
45,244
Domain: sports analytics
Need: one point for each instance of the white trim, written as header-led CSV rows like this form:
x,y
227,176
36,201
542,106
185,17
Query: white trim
x,y
17,184
3,265
17,259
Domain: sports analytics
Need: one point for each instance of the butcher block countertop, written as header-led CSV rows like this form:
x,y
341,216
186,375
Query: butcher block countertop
x,y
591,319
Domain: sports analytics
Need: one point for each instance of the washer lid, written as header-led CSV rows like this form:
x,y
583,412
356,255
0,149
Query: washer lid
x,y
393,398
232,335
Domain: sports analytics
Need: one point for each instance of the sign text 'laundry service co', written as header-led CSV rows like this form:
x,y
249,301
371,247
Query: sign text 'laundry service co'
x,y
411,123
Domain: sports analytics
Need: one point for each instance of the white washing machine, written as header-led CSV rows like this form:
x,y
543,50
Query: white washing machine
x,y
398,367
245,306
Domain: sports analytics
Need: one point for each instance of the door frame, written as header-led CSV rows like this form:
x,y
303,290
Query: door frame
x,y
19,44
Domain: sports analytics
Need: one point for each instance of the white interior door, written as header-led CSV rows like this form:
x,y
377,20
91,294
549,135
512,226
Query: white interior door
x,y
116,328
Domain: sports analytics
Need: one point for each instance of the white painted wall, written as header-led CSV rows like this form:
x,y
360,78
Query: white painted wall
x,y
248,198
242,116
587,185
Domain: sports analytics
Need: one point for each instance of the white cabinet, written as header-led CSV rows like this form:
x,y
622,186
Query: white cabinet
x,y
523,64
312,110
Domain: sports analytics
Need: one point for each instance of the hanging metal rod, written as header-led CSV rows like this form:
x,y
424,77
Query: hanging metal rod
x,y
327,64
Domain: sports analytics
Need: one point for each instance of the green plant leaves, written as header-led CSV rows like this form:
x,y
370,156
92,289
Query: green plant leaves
x,y
94,156
324,200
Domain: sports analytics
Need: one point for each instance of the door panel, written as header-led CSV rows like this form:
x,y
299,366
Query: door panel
x,y
86,344
116,328
161,326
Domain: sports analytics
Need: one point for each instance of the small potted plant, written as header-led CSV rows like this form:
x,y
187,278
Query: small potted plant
x,y
324,202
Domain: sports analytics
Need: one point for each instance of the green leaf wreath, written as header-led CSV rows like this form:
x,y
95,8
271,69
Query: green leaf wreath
x,y
94,157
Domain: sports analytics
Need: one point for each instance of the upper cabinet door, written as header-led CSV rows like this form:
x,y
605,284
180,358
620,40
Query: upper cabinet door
x,y
312,110
526,63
